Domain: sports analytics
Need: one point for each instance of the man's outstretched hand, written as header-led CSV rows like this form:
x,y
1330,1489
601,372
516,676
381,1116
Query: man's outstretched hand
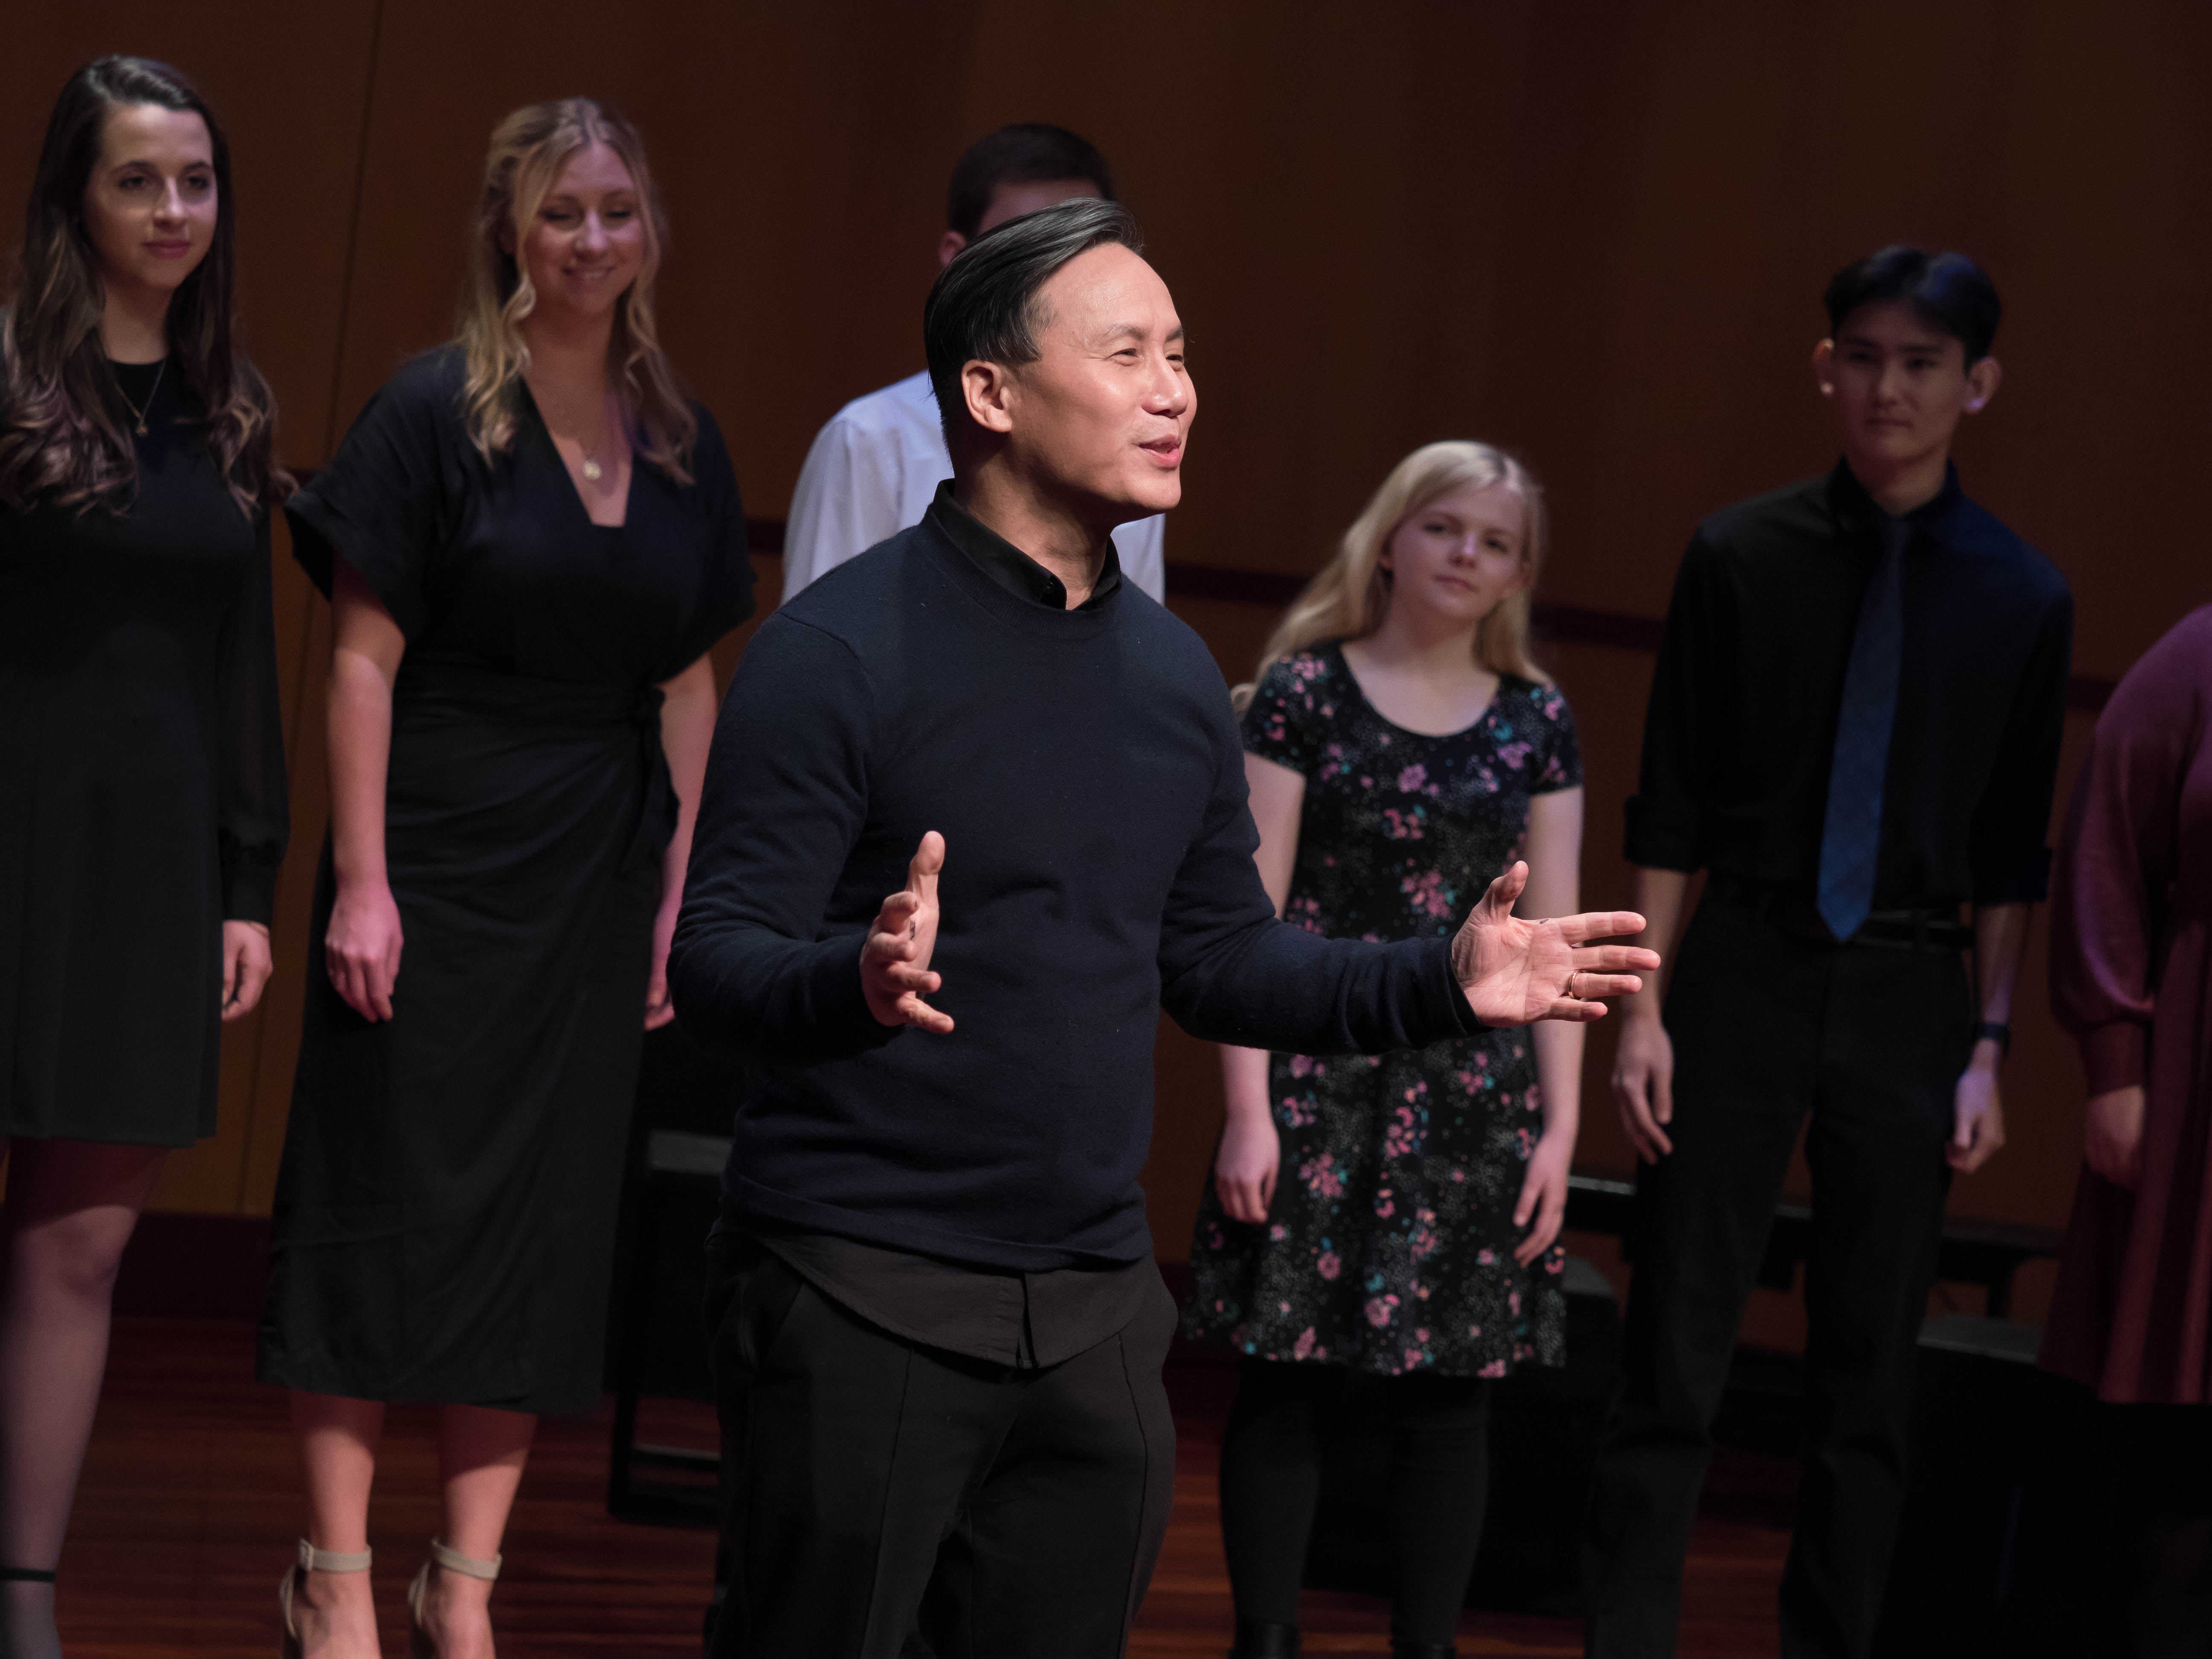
x,y
895,972
1515,972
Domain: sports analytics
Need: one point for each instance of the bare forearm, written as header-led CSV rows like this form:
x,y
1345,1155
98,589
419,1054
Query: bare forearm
x,y
2000,936
2000,944
1244,1081
1659,897
1559,1076
687,732
1277,801
1554,847
359,730
675,861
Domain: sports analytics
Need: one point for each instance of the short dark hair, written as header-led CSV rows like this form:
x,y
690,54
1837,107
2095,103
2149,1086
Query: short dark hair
x,y
1947,291
1026,153
984,305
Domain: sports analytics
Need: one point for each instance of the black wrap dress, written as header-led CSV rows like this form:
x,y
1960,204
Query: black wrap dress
x,y
445,1213
141,787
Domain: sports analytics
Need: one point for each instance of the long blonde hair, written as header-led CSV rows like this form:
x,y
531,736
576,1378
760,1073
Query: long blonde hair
x,y
1350,596
528,150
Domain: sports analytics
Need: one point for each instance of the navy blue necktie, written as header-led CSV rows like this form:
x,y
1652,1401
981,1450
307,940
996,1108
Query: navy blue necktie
x,y
1850,839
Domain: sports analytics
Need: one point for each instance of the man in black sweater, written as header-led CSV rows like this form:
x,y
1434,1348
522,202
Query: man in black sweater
x,y
937,1326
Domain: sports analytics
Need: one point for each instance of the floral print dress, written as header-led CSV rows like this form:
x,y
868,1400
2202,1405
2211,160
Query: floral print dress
x,y
1389,1247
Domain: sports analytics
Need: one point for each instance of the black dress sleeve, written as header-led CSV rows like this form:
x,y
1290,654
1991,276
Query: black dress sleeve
x,y
252,802
1557,757
385,501
1279,722
725,585
1685,720
2008,851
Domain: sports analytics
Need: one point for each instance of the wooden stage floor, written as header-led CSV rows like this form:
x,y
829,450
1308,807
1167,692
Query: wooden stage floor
x,y
186,1516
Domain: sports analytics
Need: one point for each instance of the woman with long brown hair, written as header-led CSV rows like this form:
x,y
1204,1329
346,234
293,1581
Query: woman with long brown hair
x,y
530,539
1402,751
143,806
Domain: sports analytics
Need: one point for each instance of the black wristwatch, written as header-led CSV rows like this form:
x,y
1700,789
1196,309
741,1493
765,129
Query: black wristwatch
x,y
1998,1033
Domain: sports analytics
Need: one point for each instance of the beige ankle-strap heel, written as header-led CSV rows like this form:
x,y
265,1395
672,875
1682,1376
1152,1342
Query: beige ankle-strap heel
x,y
312,1561
443,1557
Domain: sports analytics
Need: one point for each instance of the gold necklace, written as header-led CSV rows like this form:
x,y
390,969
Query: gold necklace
x,y
151,391
592,468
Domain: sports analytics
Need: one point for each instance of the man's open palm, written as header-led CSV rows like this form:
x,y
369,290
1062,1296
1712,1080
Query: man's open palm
x,y
1515,972
895,972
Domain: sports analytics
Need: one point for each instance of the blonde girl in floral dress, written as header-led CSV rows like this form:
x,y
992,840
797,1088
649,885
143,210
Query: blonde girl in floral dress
x,y
1393,1217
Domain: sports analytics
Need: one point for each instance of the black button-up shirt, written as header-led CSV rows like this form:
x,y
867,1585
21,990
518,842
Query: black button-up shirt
x,y
1007,565
1021,1320
1741,731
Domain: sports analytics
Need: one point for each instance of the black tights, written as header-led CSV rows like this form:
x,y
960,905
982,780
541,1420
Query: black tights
x,y
1271,1473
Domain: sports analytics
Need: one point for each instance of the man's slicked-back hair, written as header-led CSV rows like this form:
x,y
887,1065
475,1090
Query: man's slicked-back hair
x,y
1947,291
1027,153
984,305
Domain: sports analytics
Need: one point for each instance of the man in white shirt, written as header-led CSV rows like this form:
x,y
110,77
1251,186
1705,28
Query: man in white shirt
x,y
875,467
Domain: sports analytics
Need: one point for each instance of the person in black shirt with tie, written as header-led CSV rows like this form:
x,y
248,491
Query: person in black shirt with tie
x,y
1853,731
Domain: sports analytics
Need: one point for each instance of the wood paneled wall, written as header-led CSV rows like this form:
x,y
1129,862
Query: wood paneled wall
x,y
1597,232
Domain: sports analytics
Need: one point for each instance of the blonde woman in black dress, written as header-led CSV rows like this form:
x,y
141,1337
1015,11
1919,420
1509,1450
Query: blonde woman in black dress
x,y
530,539
142,810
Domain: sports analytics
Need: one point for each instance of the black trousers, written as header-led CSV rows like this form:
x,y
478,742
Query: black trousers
x,y
1271,1480
886,1488
1767,1028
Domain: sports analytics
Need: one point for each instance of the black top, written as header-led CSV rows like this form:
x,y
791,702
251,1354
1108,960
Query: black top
x,y
1013,570
1003,1316
1740,732
142,796
499,568
1086,772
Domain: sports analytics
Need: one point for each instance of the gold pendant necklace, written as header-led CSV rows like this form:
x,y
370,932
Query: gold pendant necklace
x,y
592,471
140,414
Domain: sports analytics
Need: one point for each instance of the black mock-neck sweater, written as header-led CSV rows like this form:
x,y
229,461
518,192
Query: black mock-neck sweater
x,y
1085,771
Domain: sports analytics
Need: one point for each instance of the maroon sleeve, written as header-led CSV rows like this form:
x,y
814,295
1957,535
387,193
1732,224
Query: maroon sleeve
x,y
2116,855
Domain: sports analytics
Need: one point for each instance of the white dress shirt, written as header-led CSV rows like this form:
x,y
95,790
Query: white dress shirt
x,y
873,472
